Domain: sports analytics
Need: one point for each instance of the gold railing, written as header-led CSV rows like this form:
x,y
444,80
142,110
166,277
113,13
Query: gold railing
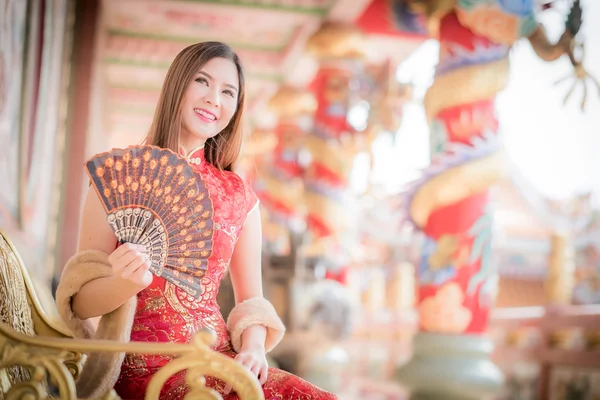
x,y
53,359
58,361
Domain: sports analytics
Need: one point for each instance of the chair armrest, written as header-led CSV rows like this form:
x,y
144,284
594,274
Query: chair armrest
x,y
57,360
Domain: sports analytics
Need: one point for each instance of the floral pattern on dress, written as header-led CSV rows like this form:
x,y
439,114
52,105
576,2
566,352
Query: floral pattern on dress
x,y
166,313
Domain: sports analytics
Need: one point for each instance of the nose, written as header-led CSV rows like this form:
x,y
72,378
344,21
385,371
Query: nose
x,y
212,97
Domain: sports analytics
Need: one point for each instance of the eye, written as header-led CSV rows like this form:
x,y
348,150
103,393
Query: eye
x,y
229,92
202,80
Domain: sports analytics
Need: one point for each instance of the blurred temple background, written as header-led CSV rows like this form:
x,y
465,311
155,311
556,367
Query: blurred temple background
x,y
428,173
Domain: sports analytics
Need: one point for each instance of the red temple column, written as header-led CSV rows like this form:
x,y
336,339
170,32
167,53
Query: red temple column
x,y
333,142
279,179
450,205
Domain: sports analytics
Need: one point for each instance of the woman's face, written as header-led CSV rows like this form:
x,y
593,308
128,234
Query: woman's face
x,y
209,103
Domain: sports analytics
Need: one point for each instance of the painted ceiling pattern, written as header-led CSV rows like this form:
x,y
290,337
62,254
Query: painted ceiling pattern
x,y
140,38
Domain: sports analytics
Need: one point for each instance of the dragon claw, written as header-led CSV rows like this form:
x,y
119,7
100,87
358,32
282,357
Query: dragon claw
x,y
580,74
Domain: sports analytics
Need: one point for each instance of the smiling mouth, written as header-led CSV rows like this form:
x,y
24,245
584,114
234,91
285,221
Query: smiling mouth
x,y
205,114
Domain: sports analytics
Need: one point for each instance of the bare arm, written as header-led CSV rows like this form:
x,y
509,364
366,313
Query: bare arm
x,y
246,274
113,291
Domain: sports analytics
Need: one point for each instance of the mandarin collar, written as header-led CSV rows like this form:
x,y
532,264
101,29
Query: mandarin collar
x,y
196,156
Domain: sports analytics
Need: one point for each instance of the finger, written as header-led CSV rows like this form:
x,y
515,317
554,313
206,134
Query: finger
x,y
227,389
241,358
264,374
248,363
133,266
122,249
255,369
138,275
137,265
125,259
114,256
141,247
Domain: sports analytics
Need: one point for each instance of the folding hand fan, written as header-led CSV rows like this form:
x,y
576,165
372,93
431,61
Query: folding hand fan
x,y
153,198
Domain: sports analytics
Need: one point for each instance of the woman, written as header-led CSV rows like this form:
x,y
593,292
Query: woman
x,y
199,114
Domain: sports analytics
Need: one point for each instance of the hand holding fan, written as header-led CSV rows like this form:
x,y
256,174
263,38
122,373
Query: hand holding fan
x,y
153,198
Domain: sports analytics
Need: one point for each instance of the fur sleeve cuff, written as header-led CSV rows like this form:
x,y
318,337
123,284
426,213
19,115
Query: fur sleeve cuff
x,y
101,370
255,311
82,268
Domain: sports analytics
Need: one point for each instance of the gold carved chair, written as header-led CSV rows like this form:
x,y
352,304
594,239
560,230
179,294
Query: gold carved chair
x,y
39,359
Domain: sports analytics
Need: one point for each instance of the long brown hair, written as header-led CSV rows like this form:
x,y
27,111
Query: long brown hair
x,y
222,150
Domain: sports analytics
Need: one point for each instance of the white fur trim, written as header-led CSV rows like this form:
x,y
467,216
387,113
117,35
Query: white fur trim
x,y
255,311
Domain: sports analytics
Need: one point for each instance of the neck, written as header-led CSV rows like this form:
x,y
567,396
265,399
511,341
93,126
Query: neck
x,y
189,148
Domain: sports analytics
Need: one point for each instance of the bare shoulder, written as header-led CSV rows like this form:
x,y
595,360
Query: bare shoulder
x,y
95,232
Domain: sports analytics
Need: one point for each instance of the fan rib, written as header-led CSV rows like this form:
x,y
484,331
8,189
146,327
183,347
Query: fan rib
x,y
151,197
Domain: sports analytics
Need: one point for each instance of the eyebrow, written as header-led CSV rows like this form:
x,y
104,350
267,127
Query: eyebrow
x,y
229,85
